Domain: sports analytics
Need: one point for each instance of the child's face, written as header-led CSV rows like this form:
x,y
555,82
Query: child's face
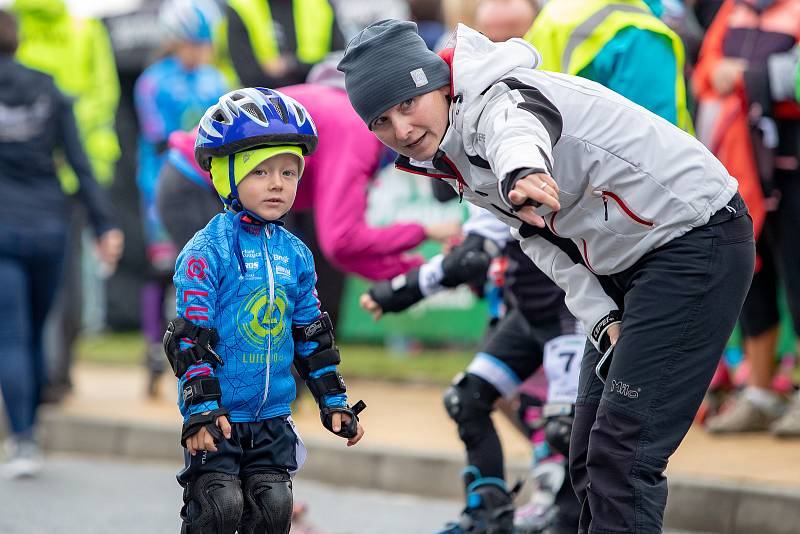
x,y
269,189
415,127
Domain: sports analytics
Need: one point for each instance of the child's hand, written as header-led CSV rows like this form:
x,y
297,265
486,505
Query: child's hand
x,y
337,418
203,441
367,302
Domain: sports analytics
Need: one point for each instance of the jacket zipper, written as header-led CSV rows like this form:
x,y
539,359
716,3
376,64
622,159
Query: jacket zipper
x,y
459,178
268,317
605,195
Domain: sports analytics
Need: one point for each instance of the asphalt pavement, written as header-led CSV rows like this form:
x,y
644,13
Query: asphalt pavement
x,y
83,495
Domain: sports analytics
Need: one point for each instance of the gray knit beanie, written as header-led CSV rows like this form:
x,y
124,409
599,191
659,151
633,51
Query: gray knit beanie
x,y
386,63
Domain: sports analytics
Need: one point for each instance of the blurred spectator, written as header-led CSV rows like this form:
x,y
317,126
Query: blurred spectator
x,y
680,16
355,15
459,11
428,16
624,47
35,118
171,94
748,117
76,52
270,43
500,20
705,11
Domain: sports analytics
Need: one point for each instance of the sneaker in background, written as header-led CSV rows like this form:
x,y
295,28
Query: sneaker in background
x,y
23,459
788,426
743,416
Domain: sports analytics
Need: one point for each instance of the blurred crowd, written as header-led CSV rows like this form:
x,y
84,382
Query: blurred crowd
x,y
138,82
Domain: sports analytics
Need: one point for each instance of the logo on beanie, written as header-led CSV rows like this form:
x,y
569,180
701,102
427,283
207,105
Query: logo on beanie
x,y
418,75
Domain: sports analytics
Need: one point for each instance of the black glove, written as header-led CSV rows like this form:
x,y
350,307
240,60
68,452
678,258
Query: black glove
x,y
348,429
399,293
469,261
197,421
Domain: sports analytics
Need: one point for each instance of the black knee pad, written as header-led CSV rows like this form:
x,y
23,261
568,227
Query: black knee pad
x,y
268,504
469,402
212,504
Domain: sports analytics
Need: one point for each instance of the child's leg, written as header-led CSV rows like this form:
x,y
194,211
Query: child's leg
x,y
270,458
509,356
681,304
212,491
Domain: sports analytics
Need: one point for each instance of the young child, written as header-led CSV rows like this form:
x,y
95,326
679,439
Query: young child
x,y
639,224
247,309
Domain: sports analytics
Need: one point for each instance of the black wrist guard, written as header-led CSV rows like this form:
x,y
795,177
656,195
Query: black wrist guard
x,y
320,331
348,429
324,355
201,389
197,421
330,383
202,350
399,293
469,261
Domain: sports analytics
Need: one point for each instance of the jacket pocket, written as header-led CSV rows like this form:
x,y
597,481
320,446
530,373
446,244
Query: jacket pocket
x,y
619,217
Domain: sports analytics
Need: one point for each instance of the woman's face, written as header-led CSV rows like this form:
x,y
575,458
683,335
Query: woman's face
x,y
415,127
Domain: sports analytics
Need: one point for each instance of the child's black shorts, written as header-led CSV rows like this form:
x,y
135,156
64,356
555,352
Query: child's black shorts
x,y
266,446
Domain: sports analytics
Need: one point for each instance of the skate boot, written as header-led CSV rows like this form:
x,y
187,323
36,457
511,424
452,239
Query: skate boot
x,y
489,509
540,512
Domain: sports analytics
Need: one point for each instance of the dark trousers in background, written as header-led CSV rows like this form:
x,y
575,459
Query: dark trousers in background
x,y
31,264
66,316
681,303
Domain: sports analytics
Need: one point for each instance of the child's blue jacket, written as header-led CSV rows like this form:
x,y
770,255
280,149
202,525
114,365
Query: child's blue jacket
x,y
253,313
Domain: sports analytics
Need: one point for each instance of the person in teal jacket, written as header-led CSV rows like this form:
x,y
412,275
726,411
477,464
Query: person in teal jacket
x,y
621,45
247,310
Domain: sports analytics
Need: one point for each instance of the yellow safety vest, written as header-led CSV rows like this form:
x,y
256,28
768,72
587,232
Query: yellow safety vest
x,y
570,33
313,21
77,53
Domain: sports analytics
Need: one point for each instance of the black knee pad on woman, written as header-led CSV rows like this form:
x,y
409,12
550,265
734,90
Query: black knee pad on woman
x,y
212,504
268,504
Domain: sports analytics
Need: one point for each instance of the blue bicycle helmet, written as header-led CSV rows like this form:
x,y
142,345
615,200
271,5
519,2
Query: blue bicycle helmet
x,y
253,117
245,119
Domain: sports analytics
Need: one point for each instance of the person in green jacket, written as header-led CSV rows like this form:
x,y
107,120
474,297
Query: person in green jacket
x,y
77,53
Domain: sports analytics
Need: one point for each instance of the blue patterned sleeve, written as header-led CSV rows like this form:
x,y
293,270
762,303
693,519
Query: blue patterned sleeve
x,y
306,311
196,283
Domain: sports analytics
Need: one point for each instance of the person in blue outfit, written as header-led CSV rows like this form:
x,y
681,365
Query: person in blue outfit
x,y
248,309
171,94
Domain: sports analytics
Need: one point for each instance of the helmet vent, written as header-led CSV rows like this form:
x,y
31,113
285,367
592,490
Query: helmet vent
x,y
278,105
300,113
254,110
219,116
237,96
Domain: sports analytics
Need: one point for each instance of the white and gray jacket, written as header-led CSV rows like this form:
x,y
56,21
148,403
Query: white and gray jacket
x,y
629,180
